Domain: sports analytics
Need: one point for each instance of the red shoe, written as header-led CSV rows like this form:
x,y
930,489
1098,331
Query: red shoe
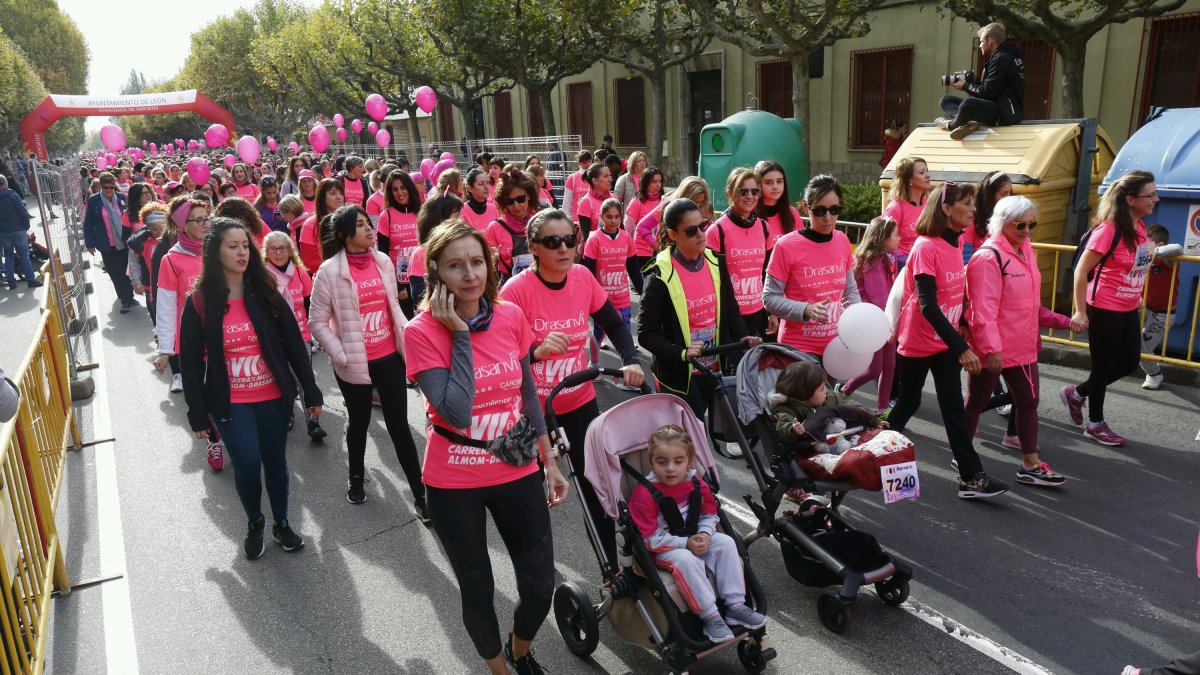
x,y
216,455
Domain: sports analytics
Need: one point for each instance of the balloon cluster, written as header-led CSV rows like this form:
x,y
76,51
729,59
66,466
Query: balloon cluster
x,y
863,329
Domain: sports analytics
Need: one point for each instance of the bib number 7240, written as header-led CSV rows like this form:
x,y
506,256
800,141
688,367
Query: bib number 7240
x,y
900,481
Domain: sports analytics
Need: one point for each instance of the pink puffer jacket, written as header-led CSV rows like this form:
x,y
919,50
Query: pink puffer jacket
x,y
335,321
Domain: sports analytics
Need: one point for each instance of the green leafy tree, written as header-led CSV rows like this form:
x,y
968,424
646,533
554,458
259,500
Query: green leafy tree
x,y
21,89
787,29
1069,26
297,57
136,83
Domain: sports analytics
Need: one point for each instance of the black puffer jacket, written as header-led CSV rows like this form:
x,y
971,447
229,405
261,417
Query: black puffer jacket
x,y
1003,82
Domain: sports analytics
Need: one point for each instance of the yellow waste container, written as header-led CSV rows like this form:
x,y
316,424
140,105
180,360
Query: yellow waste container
x,y
1042,160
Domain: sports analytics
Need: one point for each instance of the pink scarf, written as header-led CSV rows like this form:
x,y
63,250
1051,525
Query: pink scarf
x,y
360,261
193,246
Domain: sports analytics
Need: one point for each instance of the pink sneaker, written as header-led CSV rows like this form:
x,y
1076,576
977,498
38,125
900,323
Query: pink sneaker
x,y
1099,432
216,455
1011,442
1073,403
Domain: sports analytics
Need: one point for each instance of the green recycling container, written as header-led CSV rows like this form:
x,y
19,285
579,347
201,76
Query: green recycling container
x,y
746,138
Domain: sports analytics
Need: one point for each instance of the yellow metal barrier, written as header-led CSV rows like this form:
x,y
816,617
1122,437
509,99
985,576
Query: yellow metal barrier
x,y
32,453
1050,283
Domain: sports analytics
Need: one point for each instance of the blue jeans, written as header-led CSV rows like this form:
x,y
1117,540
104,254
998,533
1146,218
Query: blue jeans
x,y
16,249
256,436
625,314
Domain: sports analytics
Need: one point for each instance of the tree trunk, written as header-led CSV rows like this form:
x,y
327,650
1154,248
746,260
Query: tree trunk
x,y
658,112
1073,53
414,130
800,100
547,104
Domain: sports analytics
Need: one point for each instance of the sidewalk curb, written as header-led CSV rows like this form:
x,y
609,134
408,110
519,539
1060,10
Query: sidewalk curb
x,y
1075,357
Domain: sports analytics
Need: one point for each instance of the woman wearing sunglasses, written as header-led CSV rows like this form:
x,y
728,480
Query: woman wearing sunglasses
x,y
558,297
686,269
516,197
1004,289
927,331
742,237
811,273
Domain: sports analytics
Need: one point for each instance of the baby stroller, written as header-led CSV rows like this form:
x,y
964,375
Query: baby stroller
x,y
641,602
819,547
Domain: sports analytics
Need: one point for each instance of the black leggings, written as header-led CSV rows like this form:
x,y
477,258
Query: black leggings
x,y
911,372
519,510
574,425
1115,343
387,376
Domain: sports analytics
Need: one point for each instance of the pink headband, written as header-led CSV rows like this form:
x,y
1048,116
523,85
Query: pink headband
x,y
181,212
997,176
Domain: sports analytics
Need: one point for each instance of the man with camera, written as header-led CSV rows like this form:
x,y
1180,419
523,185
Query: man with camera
x,y
996,99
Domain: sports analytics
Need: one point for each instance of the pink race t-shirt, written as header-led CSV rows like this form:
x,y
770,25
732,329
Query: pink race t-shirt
x,y
178,272
610,256
563,311
906,216
500,236
646,233
701,297
937,258
376,205
1123,276
812,272
576,188
354,191
416,264
775,226
375,312
480,221
250,380
401,230
637,210
589,207
249,192
496,355
745,250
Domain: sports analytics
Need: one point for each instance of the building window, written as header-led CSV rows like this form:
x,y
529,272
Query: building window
x,y
1038,56
775,87
446,121
882,90
631,111
1173,69
502,103
579,111
537,127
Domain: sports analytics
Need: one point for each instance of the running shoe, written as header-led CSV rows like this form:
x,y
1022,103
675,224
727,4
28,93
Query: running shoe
x,y
744,616
1040,475
1073,402
886,412
357,493
315,431
254,545
981,487
286,537
1004,410
1099,432
716,630
216,455
1152,381
1011,442
176,384
527,665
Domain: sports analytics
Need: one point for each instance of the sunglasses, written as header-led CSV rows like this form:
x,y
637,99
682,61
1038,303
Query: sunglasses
x,y
555,242
1023,225
268,182
748,192
509,201
945,188
820,211
108,187
691,231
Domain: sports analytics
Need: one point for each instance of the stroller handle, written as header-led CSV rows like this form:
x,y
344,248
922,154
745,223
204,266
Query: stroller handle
x,y
728,348
587,375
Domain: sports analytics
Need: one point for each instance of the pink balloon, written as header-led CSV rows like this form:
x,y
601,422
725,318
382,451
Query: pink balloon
x,y
112,159
382,138
272,144
113,137
417,177
249,149
318,138
447,155
376,107
426,99
372,128
338,120
153,149
145,143
342,134
356,125
230,160
198,169
427,167
443,165
294,146
169,148
216,136
101,163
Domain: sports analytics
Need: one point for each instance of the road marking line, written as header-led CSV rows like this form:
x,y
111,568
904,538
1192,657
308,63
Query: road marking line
x,y
973,639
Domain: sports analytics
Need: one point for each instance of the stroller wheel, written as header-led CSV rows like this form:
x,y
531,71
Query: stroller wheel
x,y
752,655
576,619
892,591
835,615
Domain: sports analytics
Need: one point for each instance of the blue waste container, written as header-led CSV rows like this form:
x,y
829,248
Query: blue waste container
x,y
1169,147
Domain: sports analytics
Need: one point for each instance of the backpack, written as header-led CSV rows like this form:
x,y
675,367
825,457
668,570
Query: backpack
x,y
668,509
520,257
1000,262
1094,274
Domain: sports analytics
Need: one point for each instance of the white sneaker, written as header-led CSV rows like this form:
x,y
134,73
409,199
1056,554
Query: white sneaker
x,y
1004,410
1152,381
176,384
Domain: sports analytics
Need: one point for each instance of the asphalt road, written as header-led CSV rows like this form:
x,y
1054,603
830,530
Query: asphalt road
x,y
1083,579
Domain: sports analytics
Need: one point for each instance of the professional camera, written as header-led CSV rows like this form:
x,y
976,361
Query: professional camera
x,y
958,76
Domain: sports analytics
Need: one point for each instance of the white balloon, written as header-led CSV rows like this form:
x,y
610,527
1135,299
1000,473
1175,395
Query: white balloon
x,y
843,364
864,328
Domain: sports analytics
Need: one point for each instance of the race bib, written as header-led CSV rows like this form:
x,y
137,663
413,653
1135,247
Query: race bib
x,y
900,482
707,336
521,262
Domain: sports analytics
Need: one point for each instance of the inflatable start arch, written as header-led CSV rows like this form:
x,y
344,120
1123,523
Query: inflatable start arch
x,y
57,106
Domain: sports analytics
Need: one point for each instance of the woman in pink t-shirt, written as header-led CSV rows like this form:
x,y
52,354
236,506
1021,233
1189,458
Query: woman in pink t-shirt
x,y
575,187
1108,303
928,331
355,316
810,277
479,208
516,197
907,199
329,199
397,230
470,351
743,239
246,189
649,196
609,257
599,181
242,356
775,207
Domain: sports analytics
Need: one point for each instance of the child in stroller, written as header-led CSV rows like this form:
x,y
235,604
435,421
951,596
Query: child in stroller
x,y
676,513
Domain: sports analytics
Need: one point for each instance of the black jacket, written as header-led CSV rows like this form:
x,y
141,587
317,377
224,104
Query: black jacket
x,y
1003,82
14,216
660,331
206,381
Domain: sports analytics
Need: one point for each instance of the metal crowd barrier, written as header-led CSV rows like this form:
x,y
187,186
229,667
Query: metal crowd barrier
x,y
32,458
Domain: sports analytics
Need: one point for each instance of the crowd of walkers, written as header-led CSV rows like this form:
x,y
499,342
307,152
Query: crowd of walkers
x,y
484,290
